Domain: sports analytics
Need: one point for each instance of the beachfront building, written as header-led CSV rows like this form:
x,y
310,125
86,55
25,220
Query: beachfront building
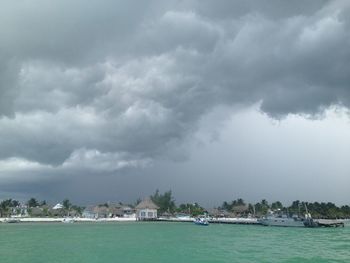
x,y
57,206
117,210
240,210
146,210
89,212
128,212
94,212
36,212
109,211
220,213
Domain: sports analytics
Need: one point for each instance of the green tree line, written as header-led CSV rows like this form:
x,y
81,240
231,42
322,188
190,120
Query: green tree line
x,y
166,204
326,210
317,209
34,207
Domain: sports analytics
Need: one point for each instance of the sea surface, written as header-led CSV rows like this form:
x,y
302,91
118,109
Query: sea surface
x,y
169,242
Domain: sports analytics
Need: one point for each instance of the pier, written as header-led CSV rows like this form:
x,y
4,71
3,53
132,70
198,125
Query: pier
x,y
241,221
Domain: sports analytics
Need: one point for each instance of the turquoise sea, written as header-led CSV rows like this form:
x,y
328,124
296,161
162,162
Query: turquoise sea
x,y
169,242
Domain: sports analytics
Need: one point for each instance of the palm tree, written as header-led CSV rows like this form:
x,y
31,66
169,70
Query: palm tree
x,y
66,205
32,202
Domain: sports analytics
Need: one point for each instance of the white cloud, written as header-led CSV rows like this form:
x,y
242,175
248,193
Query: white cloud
x,y
17,164
95,161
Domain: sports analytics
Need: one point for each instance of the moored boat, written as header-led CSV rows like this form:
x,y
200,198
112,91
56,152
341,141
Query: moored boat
x,y
201,221
12,220
282,221
68,220
278,219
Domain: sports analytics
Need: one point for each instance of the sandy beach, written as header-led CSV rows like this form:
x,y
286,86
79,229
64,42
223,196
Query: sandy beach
x,y
60,219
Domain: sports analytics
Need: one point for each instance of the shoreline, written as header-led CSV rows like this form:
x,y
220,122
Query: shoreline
x,y
61,219
240,221
124,219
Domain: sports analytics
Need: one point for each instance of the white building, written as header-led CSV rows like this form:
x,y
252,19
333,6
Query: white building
x,y
58,206
146,210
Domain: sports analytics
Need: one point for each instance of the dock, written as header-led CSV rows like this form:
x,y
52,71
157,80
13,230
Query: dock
x,y
313,223
240,221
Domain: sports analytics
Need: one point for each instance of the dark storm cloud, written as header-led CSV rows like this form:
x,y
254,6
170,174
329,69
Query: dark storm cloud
x,y
112,84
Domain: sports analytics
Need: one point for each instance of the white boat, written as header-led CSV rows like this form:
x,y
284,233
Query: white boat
x,y
282,221
273,219
68,220
202,221
12,220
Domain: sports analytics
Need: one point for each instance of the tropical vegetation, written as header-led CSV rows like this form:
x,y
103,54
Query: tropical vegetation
x,y
36,208
167,205
316,209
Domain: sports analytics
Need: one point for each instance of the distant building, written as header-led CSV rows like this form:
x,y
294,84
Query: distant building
x,y
89,212
57,212
101,211
23,210
128,211
96,212
146,210
119,210
37,212
110,211
220,213
240,210
58,206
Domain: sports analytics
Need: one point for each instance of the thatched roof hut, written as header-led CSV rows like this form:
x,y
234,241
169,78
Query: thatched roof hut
x,y
147,203
146,210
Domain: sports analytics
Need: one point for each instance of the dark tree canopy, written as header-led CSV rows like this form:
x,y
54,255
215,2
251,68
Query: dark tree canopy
x,y
66,204
32,202
165,201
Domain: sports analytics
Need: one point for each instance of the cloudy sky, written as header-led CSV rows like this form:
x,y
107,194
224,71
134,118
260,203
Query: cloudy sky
x,y
215,100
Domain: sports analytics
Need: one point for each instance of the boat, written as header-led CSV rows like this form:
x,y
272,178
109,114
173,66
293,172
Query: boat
x,y
202,221
278,219
68,220
11,220
282,221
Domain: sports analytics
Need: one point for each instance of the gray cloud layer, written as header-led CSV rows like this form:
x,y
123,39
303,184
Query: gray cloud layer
x,y
126,82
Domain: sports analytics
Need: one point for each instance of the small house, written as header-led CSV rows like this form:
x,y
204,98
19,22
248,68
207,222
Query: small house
x,y
89,212
36,212
95,212
57,206
146,210
121,211
101,211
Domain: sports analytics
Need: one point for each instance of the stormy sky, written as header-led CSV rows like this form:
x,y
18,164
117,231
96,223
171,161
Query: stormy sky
x,y
108,100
